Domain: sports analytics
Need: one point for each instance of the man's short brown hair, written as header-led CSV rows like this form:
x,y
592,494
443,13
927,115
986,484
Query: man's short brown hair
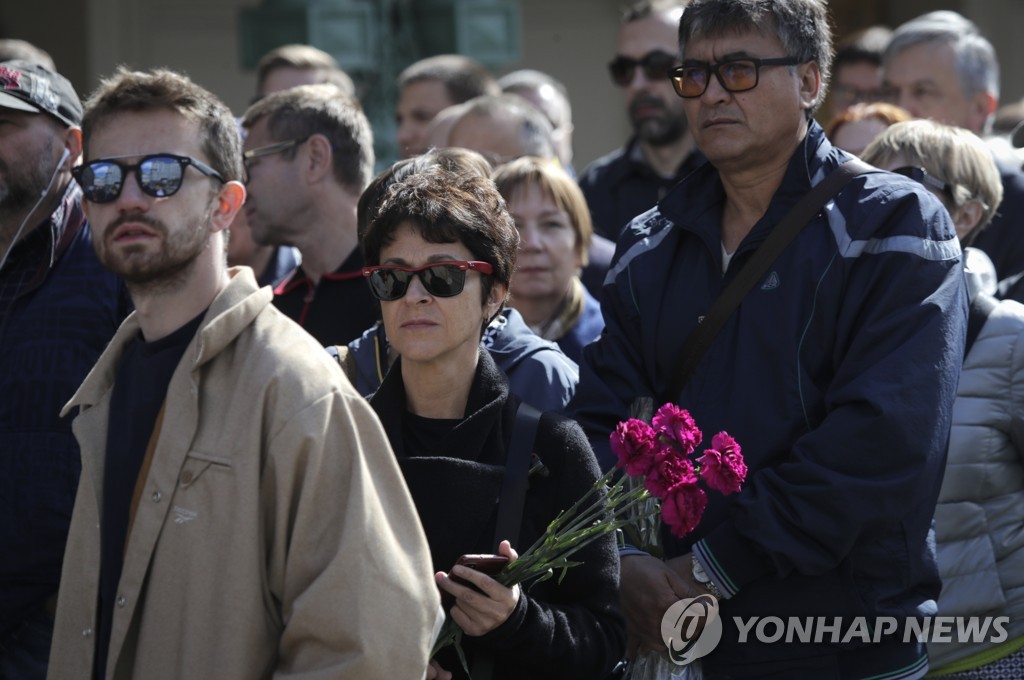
x,y
162,89
304,58
463,78
325,110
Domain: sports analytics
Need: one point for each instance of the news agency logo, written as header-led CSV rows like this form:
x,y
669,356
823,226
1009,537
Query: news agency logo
x,y
835,629
691,628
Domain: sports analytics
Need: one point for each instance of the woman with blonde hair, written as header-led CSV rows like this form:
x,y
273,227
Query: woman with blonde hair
x,y
555,230
979,520
954,163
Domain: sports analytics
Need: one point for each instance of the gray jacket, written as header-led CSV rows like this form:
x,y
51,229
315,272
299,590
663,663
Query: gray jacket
x,y
980,515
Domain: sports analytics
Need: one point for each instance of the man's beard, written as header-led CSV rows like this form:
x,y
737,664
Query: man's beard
x,y
661,130
21,187
167,269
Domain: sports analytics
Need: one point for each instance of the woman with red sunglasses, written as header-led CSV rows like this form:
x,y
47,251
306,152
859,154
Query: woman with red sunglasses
x,y
440,252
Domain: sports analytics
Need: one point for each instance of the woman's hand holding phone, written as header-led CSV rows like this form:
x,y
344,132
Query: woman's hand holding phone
x,y
483,604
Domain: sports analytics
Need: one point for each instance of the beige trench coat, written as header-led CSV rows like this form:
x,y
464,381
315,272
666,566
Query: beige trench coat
x,y
275,536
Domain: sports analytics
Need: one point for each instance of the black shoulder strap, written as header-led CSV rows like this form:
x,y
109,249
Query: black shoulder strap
x,y
511,501
517,468
797,217
981,308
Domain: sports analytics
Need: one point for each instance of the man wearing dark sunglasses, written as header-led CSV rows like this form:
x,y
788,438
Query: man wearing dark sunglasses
x,y
58,310
232,479
632,179
836,368
308,156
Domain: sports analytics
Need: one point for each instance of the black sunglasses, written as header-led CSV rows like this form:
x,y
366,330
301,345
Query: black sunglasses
x,y
440,279
919,175
656,66
159,175
735,75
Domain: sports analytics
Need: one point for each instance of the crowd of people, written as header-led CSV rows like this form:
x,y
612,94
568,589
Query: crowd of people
x,y
261,403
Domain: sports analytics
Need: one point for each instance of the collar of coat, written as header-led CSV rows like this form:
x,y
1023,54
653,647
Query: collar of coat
x,y
233,310
468,440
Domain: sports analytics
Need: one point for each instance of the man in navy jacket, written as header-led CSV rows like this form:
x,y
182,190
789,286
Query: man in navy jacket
x,y
58,310
836,373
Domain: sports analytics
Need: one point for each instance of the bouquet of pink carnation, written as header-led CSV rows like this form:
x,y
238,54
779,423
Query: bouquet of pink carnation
x,y
660,455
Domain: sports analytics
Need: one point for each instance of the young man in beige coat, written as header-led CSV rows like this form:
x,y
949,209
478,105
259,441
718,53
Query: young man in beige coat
x,y
240,514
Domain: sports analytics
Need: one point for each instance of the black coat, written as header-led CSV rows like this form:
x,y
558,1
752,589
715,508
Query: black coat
x,y
569,630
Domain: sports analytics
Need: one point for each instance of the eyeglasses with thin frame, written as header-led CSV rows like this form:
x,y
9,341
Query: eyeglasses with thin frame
x,y
159,175
259,152
656,66
691,80
440,279
921,176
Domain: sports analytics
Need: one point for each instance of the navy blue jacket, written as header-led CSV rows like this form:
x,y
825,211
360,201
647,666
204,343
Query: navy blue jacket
x,y
52,330
836,374
620,185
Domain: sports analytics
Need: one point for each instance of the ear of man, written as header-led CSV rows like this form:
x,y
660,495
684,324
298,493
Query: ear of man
x,y
319,158
983,107
73,143
228,202
810,83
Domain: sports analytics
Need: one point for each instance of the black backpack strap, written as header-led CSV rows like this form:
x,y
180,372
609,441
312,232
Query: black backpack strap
x,y
517,468
981,308
511,501
729,299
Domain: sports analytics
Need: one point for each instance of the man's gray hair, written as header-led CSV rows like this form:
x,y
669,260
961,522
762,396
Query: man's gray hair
x,y
802,26
976,64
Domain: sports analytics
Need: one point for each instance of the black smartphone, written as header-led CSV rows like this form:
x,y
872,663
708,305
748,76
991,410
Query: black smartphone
x,y
486,564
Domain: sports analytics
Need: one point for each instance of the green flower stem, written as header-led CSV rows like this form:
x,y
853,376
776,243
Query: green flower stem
x,y
608,505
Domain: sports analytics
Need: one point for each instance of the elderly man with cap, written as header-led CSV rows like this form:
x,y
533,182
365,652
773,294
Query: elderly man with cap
x,y
58,310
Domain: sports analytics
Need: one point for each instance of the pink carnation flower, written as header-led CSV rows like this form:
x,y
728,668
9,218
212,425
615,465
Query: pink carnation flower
x,y
677,424
722,465
635,444
670,471
682,509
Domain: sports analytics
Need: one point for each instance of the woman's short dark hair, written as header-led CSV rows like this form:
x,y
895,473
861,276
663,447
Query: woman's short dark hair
x,y
444,207
454,159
